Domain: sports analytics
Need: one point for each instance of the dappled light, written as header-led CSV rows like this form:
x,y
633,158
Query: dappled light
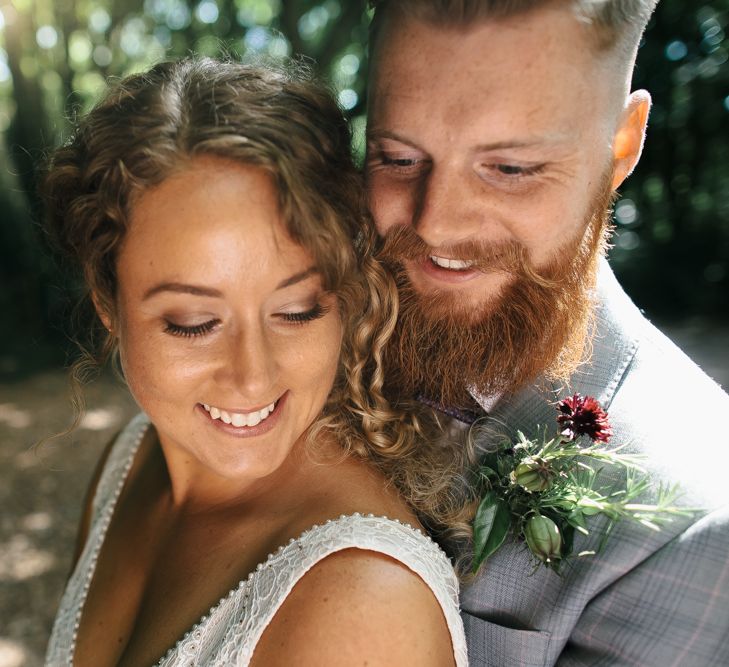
x,y
20,560
37,521
12,653
14,417
42,484
101,419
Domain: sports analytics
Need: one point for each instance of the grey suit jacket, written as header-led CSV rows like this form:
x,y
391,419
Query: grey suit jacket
x,y
650,598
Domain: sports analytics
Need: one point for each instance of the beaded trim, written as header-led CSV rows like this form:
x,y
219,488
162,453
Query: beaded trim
x,y
105,521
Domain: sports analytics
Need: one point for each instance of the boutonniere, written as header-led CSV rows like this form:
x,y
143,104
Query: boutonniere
x,y
544,489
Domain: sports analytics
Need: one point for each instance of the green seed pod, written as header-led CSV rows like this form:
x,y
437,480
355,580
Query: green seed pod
x,y
532,474
543,538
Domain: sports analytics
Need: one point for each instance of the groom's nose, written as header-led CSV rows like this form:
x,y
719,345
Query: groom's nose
x,y
448,207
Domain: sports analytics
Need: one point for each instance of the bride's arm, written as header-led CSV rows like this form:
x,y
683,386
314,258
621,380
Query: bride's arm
x,y
357,608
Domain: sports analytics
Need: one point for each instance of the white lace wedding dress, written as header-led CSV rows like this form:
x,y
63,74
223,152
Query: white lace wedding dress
x,y
227,635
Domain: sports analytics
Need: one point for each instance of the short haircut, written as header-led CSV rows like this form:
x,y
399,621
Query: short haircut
x,y
616,23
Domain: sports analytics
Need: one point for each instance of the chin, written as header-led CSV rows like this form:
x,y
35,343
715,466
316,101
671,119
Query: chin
x,y
240,467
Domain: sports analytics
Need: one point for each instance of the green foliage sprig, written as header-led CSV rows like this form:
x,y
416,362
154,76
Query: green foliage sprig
x,y
545,489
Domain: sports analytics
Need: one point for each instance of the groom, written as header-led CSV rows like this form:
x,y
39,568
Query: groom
x,y
499,131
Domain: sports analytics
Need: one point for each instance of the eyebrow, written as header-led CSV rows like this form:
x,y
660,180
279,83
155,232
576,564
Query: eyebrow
x,y
553,140
297,277
181,288
375,134
526,143
198,290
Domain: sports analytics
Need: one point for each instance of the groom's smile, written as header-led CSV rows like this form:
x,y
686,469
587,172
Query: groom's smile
x,y
475,142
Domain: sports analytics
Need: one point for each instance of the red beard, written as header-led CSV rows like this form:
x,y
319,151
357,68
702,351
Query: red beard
x,y
537,327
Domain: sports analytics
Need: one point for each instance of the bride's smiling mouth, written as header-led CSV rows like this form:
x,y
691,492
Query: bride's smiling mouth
x,y
244,423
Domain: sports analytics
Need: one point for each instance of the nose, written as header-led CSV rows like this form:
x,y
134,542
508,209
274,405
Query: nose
x,y
448,207
248,367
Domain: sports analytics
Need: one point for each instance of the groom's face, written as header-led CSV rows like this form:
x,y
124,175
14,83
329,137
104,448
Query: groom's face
x,y
500,133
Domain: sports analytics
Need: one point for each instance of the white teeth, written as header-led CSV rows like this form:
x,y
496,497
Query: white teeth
x,y
457,264
238,419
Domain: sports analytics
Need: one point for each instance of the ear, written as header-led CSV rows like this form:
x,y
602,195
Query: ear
x,y
628,143
103,314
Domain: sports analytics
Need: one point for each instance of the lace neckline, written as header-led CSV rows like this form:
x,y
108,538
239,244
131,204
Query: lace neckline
x,y
107,516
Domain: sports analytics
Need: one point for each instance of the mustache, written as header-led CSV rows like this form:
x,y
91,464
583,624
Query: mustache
x,y
402,243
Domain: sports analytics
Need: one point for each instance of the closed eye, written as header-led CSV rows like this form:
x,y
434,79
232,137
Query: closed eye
x,y
517,170
190,331
399,161
315,313
396,160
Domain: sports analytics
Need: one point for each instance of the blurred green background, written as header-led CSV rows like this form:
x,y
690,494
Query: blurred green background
x,y
672,246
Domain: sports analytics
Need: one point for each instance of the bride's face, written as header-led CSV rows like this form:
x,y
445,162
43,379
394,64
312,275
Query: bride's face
x,y
228,341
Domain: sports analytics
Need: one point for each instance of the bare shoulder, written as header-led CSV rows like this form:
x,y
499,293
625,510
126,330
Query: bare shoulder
x,y
357,607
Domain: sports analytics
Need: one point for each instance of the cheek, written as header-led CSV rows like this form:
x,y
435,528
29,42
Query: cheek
x,y
389,202
154,369
546,222
143,372
318,361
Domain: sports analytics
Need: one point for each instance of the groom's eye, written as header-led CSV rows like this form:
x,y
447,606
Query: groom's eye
x,y
399,162
510,169
511,177
517,169
402,162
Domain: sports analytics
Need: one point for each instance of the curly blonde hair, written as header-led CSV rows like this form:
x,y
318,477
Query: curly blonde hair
x,y
281,120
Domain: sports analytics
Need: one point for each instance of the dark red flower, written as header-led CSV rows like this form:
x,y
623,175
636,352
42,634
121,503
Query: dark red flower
x,y
582,415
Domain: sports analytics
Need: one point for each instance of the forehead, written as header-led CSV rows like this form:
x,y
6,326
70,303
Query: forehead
x,y
213,220
534,70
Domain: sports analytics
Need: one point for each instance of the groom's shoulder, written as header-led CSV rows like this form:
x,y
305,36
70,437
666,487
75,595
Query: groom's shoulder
x,y
662,406
667,408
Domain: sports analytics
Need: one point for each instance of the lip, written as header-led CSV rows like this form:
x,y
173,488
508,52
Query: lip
x,y
246,431
441,275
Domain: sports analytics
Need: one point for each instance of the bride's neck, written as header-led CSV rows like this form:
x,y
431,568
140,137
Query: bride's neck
x,y
191,488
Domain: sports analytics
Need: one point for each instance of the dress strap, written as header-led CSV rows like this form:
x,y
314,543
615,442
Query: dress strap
x,y
273,580
62,643
118,464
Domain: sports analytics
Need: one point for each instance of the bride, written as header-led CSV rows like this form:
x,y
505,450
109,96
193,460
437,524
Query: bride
x,y
267,507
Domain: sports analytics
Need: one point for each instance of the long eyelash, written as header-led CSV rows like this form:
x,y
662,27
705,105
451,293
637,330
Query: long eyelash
x,y
190,332
301,318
